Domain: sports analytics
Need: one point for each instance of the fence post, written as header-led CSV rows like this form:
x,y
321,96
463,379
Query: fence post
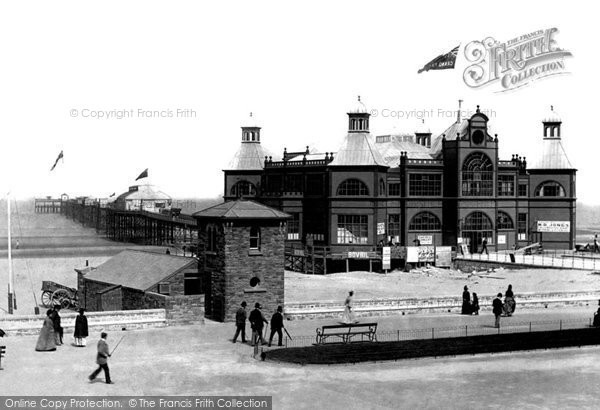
x,y
498,328
529,327
398,334
560,325
466,330
432,333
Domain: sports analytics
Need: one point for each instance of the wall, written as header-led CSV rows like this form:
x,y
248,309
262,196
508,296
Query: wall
x,y
97,322
185,309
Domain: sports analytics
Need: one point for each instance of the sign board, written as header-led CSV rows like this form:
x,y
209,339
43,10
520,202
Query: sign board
x,y
501,239
554,226
380,228
386,259
443,256
420,254
460,240
464,249
425,239
358,255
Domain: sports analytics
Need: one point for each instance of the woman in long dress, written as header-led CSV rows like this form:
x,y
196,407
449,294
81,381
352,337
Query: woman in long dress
x,y
509,301
81,329
348,313
46,341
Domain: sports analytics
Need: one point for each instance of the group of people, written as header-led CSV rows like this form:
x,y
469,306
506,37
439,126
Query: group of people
x,y
469,307
51,334
257,321
499,308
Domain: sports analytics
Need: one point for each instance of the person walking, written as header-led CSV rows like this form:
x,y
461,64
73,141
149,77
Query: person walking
x,y
81,329
466,304
102,359
497,308
240,322
277,325
484,247
475,304
46,342
349,316
509,301
256,323
58,330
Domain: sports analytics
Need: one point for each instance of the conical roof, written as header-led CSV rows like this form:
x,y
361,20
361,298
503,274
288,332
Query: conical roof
x,y
551,156
358,148
249,156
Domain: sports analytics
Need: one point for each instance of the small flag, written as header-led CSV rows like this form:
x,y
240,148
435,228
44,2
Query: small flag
x,y
60,156
113,194
442,62
144,174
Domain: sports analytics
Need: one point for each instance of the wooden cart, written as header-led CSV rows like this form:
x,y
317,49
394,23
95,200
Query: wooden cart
x,y
56,294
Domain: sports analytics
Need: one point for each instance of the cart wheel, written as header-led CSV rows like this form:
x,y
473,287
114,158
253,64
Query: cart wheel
x,y
59,296
47,299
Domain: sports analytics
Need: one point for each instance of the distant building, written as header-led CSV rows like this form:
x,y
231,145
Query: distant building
x,y
143,198
449,189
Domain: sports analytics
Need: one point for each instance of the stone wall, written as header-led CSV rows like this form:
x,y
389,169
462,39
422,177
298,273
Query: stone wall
x,y
388,307
185,309
97,322
243,264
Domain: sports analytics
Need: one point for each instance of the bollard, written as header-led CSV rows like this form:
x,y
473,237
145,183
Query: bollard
x,y
432,333
560,325
398,335
466,330
529,327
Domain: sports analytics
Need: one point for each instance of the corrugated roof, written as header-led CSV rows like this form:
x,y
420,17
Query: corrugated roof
x,y
450,132
250,156
390,150
139,269
551,156
241,209
358,149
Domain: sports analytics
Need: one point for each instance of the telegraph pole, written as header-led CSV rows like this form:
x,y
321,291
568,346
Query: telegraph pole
x,y
10,274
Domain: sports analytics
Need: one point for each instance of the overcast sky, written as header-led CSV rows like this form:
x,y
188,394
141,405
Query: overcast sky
x,y
298,66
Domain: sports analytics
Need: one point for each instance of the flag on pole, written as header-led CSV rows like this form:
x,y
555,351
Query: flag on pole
x,y
60,156
144,174
442,62
113,194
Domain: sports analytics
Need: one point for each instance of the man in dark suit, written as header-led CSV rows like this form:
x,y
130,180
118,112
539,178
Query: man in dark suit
x,y
277,325
497,308
240,323
102,359
256,322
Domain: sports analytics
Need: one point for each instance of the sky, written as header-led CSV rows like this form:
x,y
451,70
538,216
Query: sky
x,y
298,66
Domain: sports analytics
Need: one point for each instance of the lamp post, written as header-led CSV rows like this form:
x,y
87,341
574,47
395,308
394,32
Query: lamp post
x,y
10,273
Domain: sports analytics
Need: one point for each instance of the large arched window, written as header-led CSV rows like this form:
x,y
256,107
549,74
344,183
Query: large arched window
x,y
242,189
478,175
549,188
504,221
425,221
477,221
352,187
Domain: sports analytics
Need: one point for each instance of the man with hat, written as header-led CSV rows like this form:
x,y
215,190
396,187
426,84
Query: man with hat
x,y
256,322
81,329
277,325
240,322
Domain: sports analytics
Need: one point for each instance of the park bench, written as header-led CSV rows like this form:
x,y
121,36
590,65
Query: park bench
x,y
2,351
345,333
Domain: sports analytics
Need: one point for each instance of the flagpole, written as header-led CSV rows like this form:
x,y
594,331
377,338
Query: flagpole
x,y
10,273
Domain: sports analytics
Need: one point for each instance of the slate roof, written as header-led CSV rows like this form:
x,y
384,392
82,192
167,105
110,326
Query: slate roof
x,y
358,148
241,209
450,132
139,269
249,156
390,150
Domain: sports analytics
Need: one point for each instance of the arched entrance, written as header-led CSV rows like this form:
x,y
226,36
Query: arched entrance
x,y
477,227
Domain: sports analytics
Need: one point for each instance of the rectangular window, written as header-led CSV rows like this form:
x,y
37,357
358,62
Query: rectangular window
x,y
314,184
523,190
394,227
294,183
424,184
254,237
192,283
293,227
164,288
394,189
506,185
522,226
353,229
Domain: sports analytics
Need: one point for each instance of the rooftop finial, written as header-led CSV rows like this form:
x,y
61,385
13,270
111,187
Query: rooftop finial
x,y
551,108
459,108
359,98
250,114
477,107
